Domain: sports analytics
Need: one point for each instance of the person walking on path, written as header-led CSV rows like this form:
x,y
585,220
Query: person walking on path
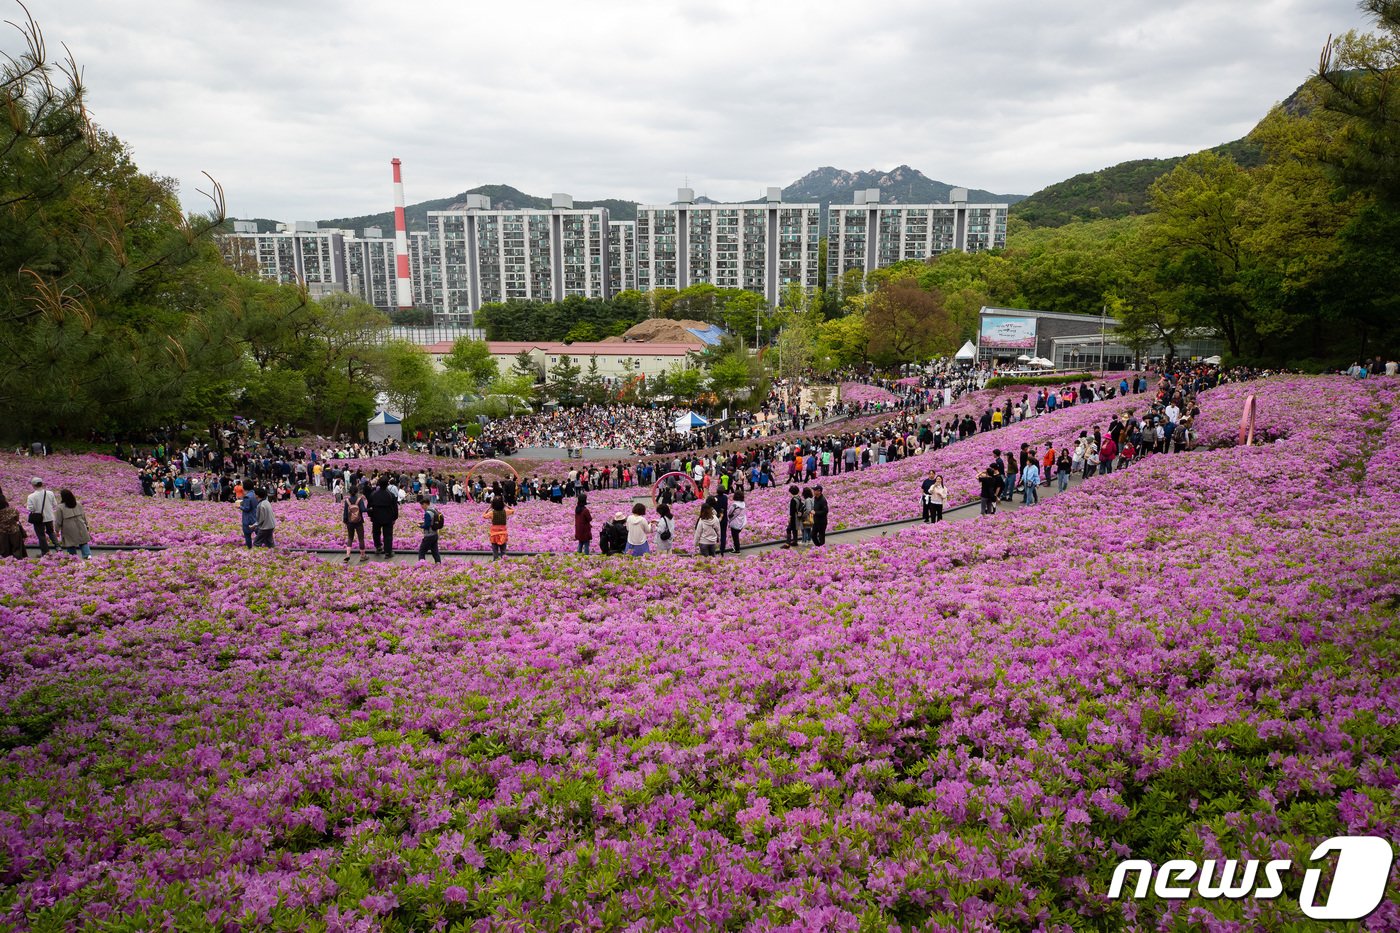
x,y
71,522
41,504
638,532
722,515
1063,466
583,525
248,508
738,517
383,512
11,531
432,522
500,535
266,521
352,515
821,511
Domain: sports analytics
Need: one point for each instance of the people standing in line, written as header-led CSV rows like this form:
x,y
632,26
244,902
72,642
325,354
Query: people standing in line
x,y
248,509
500,535
430,524
707,531
71,522
821,511
383,512
41,504
738,517
665,529
266,521
583,525
352,515
794,522
638,532
11,531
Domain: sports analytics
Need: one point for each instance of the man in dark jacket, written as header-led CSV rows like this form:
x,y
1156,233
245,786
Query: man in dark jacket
x,y
722,511
794,517
820,510
383,512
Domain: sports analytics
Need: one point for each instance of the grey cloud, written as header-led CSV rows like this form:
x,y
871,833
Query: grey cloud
x,y
297,108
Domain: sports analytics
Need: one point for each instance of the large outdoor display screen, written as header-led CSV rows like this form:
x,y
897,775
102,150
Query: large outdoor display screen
x,y
1008,333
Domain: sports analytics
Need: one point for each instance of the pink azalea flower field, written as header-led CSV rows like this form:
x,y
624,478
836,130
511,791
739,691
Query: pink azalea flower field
x,y
965,729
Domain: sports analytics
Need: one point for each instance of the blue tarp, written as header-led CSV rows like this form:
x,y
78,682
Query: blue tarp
x,y
710,336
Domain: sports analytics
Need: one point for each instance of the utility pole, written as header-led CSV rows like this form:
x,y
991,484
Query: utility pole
x,y
1103,330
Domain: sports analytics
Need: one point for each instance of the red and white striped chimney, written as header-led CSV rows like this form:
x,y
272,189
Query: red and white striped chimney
x,y
405,286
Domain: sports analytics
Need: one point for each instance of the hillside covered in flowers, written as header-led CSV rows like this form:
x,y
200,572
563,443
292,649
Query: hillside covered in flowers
x,y
963,727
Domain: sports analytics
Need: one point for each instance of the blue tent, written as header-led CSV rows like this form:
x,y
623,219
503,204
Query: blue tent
x,y
385,427
689,422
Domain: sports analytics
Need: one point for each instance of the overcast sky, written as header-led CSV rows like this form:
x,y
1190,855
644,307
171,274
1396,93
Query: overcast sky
x,y
297,106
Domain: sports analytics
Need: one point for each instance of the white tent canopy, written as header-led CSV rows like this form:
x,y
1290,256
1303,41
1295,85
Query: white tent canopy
x,y
968,352
1041,361
385,427
689,421
1211,361
1023,358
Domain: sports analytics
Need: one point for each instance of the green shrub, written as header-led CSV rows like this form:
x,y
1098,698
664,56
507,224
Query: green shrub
x,y
1059,379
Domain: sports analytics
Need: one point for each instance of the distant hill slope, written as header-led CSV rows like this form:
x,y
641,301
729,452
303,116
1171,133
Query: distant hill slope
x,y
1121,190
826,185
1117,191
502,196
901,185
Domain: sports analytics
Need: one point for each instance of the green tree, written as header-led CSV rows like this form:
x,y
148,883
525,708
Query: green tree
x,y
115,309
593,386
472,358
524,365
908,324
1359,76
563,384
843,342
415,390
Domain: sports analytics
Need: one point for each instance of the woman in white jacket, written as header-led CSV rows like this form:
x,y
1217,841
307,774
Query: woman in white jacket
x,y
738,517
707,532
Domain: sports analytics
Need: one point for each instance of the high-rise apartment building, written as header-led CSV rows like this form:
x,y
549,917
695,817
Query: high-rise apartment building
x,y
297,254
761,247
477,255
370,268
622,256
419,269
868,235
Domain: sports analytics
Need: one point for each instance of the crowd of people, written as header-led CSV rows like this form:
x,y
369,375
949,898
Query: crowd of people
x,y
256,470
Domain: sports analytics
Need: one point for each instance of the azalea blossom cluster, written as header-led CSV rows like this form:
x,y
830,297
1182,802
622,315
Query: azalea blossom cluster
x,y
964,730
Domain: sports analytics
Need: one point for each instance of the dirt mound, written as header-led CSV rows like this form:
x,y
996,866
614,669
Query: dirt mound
x,y
661,330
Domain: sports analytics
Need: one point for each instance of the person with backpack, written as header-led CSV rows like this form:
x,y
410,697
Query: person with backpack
x,y
352,516
612,538
432,523
498,516
738,517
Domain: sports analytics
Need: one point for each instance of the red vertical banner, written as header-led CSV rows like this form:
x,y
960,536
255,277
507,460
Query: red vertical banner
x,y
1247,422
